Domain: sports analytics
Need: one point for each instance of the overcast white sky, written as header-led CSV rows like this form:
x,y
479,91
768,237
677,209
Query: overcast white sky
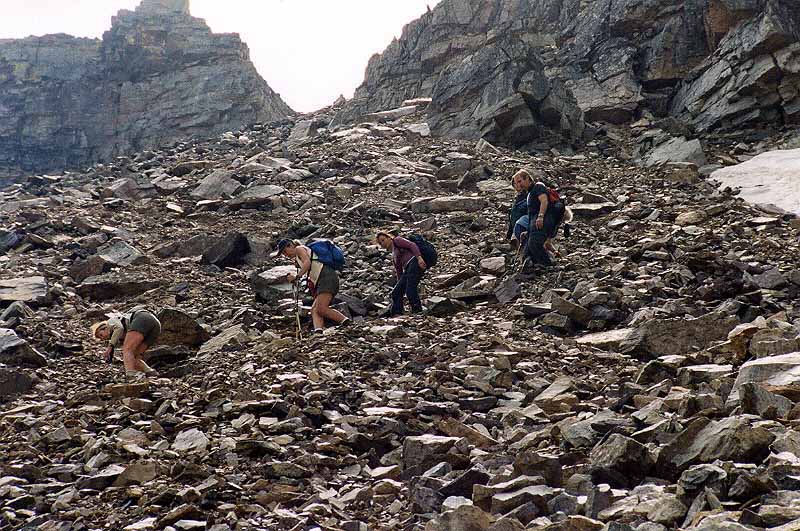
x,y
310,51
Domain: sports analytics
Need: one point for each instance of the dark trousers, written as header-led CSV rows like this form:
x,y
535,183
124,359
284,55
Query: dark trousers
x,y
536,238
407,285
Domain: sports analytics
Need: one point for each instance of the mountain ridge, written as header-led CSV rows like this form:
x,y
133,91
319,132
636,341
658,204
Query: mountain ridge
x,y
72,101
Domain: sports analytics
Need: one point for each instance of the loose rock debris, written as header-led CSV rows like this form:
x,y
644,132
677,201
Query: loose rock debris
x,y
649,381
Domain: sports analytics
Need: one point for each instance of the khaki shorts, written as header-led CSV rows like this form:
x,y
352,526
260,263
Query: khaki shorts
x,y
146,324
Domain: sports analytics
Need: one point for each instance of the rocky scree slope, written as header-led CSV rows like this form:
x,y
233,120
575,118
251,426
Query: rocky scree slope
x,y
157,76
714,64
649,382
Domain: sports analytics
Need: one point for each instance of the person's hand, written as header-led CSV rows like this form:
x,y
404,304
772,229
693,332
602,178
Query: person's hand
x,y
540,222
107,354
291,277
422,264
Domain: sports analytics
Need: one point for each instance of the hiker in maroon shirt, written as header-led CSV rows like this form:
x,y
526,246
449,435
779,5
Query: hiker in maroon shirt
x,y
409,266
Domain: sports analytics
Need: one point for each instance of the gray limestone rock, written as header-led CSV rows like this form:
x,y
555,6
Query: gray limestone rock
x,y
30,290
64,93
15,351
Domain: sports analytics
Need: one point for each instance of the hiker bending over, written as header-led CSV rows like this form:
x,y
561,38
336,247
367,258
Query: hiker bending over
x,y
409,267
322,279
135,332
518,214
543,218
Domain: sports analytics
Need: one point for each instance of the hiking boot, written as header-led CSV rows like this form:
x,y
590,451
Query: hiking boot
x,y
347,322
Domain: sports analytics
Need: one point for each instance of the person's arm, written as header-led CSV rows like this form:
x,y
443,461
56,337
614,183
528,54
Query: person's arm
x,y
543,204
117,333
402,243
305,264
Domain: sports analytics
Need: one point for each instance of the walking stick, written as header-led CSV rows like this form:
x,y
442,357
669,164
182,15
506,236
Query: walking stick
x,y
299,331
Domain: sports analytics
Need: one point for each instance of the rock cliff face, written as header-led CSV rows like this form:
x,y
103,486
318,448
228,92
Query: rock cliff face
x,y
714,63
157,76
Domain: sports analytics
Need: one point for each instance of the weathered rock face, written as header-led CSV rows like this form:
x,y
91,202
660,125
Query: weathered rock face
x,y
753,76
716,63
157,76
502,94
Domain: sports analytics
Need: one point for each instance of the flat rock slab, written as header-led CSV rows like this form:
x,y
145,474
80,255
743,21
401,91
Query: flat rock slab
x,y
121,253
608,340
448,204
104,288
30,290
772,178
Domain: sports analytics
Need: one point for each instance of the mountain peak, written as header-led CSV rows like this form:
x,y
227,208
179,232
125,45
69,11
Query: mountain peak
x,y
165,6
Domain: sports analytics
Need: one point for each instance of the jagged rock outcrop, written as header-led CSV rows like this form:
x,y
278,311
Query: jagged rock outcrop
x,y
713,63
502,94
157,76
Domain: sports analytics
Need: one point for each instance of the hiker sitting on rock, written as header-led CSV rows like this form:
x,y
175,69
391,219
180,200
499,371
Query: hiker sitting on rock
x,y
518,214
135,332
322,279
409,267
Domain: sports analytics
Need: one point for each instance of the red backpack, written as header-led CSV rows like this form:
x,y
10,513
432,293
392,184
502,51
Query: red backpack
x,y
553,196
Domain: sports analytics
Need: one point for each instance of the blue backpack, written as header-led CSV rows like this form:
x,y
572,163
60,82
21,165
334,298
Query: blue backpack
x,y
328,253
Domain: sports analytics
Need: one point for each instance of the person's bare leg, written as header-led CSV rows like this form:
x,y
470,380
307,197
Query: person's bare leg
x,y
133,340
144,367
316,318
325,310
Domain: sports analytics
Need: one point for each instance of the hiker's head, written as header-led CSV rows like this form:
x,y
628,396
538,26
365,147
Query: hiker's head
x,y
522,180
101,331
385,239
287,248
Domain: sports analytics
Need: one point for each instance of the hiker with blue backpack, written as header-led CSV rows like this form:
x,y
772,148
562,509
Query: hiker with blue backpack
x,y
319,262
411,258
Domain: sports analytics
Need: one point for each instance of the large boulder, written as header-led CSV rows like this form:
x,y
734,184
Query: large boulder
x,y
259,196
771,372
704,441
17,352
179,328
217,185
667,337
676,150
620,461
770,178
271,286
228,251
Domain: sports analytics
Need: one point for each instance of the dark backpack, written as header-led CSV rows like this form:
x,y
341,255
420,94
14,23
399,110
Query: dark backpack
x,y
427,249
328,253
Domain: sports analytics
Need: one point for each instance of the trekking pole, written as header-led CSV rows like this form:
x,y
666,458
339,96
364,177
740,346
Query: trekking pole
x,y
299,331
